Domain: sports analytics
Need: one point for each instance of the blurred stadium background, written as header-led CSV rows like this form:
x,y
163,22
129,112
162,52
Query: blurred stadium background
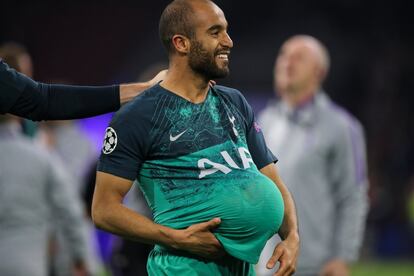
x,y
371,45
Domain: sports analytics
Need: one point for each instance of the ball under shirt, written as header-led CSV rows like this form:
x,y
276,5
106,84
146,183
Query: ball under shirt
x,y
195,162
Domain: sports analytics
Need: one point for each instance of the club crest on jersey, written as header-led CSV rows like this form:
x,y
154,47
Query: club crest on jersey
x,y
232,119
110,141
257,127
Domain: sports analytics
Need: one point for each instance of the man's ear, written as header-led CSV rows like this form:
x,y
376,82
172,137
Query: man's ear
x,y
321,74
181,44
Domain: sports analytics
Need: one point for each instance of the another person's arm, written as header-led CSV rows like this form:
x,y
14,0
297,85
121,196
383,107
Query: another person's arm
x,y
24,97
110,214
128,91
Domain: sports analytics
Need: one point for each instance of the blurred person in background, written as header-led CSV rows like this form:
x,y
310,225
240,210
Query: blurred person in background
x,y
34,196
24,97
16,55
324,162
71,146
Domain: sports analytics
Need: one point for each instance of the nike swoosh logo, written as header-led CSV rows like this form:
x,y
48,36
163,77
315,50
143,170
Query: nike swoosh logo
x,y
173,138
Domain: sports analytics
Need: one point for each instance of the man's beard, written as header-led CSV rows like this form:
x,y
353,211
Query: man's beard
x,y
204,63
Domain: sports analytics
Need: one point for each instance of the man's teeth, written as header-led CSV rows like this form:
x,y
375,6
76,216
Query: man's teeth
x,y
223,56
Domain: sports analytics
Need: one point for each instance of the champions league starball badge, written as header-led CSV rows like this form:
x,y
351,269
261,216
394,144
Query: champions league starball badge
x,y
110,141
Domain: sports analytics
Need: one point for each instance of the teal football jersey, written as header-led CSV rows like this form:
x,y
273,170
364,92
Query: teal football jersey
x,y
195,162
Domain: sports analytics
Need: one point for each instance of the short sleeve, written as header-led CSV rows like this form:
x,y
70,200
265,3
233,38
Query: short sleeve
x,y
261,154
125,143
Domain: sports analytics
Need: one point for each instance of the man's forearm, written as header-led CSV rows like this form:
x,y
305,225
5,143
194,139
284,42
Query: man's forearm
x,y
110,214
289,226
125,222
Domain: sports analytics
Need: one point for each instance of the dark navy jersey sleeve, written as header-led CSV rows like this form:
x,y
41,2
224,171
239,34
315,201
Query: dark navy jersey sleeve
x,y
261,154
10,87
126,140
22,96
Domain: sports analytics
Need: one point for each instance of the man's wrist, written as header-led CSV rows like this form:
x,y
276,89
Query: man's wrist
x,y
170,237
129,91
293,236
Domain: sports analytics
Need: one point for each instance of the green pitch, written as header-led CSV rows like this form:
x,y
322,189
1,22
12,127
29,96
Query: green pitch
x,y
383,269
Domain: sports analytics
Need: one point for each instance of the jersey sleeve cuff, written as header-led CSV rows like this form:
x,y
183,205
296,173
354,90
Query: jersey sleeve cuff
x,y
130,174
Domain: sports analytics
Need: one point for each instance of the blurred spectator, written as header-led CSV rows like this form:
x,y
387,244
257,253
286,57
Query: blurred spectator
x,y
65,140
324,161
72,145
17,57
34,196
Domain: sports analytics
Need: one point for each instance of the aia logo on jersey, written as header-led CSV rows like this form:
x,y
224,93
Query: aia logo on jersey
x,y
110,141
208,167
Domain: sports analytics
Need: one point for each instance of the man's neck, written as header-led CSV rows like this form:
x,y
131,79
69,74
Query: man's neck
x,y
300,98
186,83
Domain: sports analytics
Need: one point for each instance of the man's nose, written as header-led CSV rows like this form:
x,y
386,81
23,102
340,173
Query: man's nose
x,y
227,41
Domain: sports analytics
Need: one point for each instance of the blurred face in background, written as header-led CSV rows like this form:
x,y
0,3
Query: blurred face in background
x,y
17,57
298,71
25,65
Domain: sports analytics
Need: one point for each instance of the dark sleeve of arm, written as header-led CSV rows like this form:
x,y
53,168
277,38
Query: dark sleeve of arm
x,y
24,97
125,144
261,154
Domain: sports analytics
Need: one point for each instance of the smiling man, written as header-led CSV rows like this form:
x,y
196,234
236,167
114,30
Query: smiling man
x,y
200,159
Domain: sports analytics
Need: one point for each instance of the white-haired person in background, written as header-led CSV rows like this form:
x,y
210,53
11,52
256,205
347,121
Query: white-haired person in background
x,y
324,160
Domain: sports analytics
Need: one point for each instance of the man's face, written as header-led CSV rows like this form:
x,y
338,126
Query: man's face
x,y
25,65
296,67
210,49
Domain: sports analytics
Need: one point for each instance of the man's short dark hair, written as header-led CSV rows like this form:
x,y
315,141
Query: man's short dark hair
x,y
177,18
